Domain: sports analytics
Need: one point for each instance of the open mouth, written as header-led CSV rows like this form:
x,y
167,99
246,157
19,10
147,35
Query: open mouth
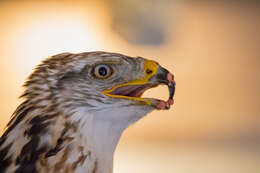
x,y
135,91
132,90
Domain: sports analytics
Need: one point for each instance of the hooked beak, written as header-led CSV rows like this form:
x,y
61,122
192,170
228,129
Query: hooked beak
x,y
154,75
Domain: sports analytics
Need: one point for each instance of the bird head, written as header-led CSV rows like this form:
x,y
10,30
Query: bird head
x,y
98,80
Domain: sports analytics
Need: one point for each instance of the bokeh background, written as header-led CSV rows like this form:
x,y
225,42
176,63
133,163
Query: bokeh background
x,y
212,47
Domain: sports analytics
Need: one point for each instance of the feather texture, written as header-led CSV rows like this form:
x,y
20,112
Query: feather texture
x,y
66,123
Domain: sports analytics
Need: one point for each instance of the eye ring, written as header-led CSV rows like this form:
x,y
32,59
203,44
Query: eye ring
x,y
102,71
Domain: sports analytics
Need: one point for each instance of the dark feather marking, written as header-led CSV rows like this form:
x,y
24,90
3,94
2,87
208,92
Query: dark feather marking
x,y
31,152
63,159
21,107
24,94
37,128
28,150
80,161
18,110
29,156
95,167
4,164
39,125
17,119
5,161
61,140
40,119
4,151
56,149
2,140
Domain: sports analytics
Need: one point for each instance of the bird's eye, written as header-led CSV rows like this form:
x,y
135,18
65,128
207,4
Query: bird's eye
x,y
102,71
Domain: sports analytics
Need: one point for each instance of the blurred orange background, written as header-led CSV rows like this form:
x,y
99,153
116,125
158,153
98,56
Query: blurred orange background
x,y
212,47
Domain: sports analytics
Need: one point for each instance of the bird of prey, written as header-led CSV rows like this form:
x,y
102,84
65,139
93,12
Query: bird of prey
x,y
74,110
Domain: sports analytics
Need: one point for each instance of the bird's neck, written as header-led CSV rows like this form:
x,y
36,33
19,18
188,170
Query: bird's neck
x,y
101,130
102,137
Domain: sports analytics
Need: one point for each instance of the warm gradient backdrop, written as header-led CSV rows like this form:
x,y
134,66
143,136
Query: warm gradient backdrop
x,y
211,47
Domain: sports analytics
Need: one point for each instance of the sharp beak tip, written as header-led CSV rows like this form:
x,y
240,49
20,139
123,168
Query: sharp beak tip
x,y
165,77
170,77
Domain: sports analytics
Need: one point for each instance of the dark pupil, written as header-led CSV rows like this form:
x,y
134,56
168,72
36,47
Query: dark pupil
x,y
102,71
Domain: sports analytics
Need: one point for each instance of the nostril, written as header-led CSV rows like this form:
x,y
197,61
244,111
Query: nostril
x,y
149,71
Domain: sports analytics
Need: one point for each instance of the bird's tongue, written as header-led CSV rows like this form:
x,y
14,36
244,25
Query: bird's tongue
x,y
132,90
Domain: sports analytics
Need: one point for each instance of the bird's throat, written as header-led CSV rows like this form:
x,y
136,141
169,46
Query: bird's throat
x,y
102,129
